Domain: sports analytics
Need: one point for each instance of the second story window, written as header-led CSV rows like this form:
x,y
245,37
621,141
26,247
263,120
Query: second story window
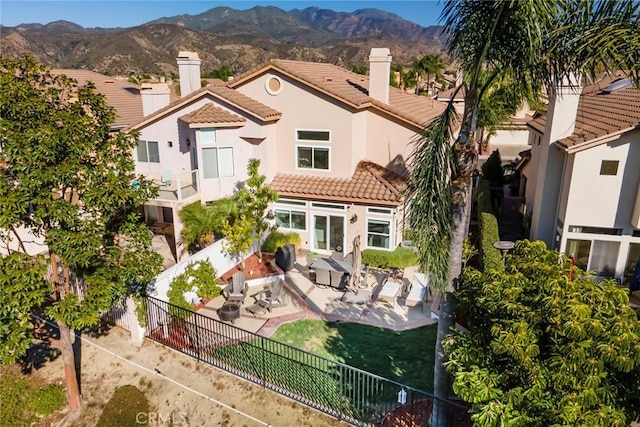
x,y
148,151
217,162
313,158
312,152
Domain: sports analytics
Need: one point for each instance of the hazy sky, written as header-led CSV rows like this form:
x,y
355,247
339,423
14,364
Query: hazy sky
x,y
119,13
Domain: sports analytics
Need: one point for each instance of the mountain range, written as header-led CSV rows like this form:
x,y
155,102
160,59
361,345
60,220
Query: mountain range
x,y
239,39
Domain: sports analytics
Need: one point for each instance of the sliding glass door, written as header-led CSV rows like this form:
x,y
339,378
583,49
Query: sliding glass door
x,y
328,233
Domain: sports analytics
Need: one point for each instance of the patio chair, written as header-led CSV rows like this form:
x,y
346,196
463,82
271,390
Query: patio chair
x,y
337,279
165,181
236,291
271,297
322,277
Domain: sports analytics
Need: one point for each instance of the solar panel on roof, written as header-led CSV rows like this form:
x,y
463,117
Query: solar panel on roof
x,y
617,85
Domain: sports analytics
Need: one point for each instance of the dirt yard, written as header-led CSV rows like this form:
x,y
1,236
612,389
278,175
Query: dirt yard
x,y
151,368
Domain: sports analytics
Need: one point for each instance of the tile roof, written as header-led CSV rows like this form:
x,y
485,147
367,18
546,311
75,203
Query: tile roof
x,y
209,113
121,94
261,111
370,184
600,114
352,89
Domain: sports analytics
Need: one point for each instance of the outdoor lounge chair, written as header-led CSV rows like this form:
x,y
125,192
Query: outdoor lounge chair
x,y
268,298
236,291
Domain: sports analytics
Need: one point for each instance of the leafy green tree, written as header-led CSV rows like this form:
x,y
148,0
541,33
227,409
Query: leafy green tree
x,y
534,44
360,69
253,218
543,349
223,73
65,178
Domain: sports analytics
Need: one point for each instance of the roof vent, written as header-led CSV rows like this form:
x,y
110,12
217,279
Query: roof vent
x,y
617,85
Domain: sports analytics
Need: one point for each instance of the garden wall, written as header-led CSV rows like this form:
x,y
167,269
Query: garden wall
x,y
214,255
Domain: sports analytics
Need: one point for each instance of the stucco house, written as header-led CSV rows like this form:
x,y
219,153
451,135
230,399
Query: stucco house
x,y
583,177
332,143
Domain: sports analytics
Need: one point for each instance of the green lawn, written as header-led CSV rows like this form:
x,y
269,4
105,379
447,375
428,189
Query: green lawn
x,y
406,357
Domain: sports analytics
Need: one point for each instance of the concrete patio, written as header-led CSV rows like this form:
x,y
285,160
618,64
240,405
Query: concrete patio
x,y
306,300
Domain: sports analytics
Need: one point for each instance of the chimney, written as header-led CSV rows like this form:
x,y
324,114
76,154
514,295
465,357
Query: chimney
x,y
154,97
561,119
562,109
189,71
379,70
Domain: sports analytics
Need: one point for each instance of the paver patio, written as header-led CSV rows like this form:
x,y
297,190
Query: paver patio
x,y
305,300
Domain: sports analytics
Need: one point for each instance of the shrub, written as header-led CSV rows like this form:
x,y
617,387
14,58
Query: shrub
x,y
199,277
408,234
401,257
278,239
123,408
490,257
24,400
492,169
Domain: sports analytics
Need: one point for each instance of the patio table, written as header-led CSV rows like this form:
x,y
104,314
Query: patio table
x,y
331,265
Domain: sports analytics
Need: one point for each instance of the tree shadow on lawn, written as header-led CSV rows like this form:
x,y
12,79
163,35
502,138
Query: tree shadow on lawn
x,y
403,356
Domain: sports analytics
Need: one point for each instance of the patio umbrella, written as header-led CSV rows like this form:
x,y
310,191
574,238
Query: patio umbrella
x,y
356,263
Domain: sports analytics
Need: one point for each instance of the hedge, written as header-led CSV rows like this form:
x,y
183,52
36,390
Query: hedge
x,y
401,257
490,257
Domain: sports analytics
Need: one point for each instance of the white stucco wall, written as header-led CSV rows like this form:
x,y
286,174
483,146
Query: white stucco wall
x,y
303,108
604,200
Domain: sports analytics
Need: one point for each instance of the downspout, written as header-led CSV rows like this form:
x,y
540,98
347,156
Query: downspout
x,y
555,225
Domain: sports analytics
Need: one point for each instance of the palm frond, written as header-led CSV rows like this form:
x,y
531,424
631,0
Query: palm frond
x,y
429,195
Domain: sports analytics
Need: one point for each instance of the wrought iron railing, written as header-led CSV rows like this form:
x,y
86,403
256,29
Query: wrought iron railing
x,y
347,393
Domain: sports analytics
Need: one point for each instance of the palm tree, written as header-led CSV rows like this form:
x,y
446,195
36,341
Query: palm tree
x,y
535,44
428,66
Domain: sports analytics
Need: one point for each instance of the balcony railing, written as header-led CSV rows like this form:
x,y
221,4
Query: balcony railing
x,y
175,187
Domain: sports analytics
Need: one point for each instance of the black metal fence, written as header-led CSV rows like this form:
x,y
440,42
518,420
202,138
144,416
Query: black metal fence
x,y
340,390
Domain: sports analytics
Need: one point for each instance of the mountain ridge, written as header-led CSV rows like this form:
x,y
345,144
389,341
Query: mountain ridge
x,y
240,39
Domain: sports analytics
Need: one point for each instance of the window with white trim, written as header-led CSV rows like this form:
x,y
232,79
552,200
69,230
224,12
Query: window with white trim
x,y
148,151
378,233
313,135
310,156
313,157
291,219
327,205
282,201
208,135
217,162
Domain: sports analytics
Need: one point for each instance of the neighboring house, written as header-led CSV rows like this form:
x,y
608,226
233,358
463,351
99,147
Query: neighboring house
x,y
510,138
583,178
121,95
334,144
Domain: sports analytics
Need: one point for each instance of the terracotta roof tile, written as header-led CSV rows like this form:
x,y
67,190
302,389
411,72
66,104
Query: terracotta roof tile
x,y
353,89
600,114
261,111
120,94
370,183
209,113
